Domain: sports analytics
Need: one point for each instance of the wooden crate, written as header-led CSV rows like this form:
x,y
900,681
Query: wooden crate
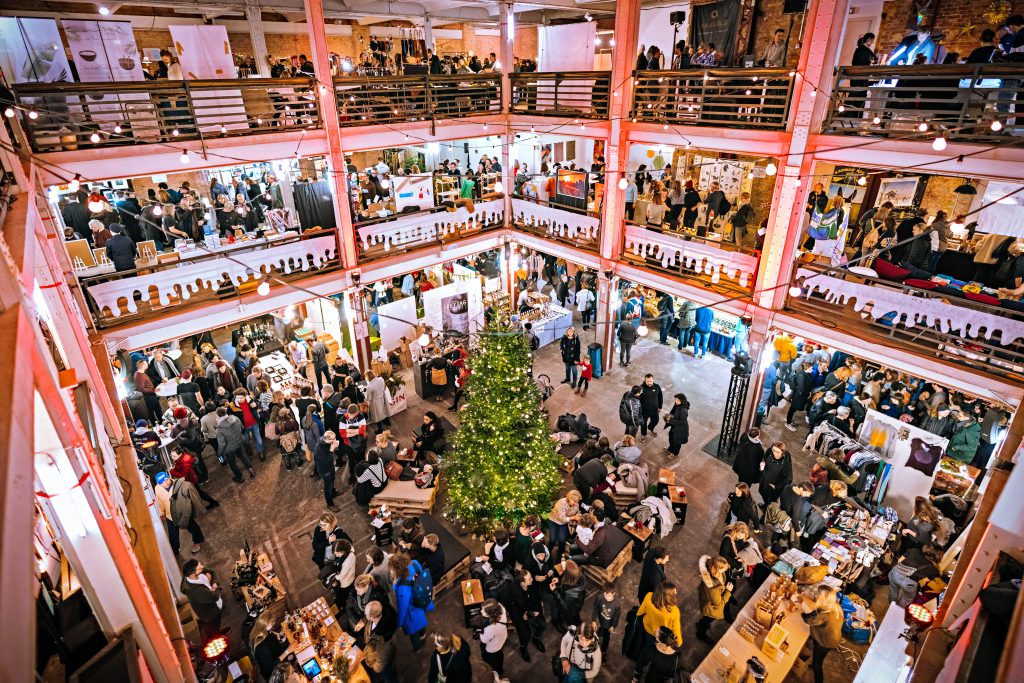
x,y
453,575
405,499
609,574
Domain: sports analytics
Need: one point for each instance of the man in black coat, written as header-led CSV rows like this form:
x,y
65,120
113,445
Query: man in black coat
x,y
801,392
524,611
120,249
588,476
776,475
627,337
749,457
323,461
630,411
570,347
128,211
77,216
651,402
199,586
653,572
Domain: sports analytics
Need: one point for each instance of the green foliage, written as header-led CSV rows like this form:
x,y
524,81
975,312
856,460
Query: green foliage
x,y
503,465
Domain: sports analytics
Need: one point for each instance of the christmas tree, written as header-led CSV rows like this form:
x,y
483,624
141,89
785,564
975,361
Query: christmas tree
x,y
503,465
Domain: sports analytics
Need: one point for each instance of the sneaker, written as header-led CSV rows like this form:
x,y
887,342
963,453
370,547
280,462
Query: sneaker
x,y
195,548
252,473
790,427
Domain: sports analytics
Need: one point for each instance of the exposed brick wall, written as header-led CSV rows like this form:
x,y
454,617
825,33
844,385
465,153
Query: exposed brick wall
x,y
768,16
199,180
524,46
952,18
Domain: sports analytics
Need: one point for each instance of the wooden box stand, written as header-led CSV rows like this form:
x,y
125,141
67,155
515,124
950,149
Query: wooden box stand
x,y
405,499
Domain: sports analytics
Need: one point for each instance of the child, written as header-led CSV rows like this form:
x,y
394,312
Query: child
x,y
606,614
586,374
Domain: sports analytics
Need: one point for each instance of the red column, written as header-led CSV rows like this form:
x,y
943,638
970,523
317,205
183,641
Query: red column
x,y
347,253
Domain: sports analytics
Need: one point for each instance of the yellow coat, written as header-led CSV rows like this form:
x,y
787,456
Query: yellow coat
x,y
654,618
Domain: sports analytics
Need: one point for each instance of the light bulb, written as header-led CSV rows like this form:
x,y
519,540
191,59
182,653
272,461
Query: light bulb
x,y
104,10
877,120
747,92
223,129
499,186
263,289
750,175
158,209
33,115
642,330
95,205
623,183
117,127
74,184
939,144
533,129
771,169
798,182
259,121
795,291
814,93
634,119
996,125
184,158
862,181
485,126
922,127
95,137
665,127
175,132
841,108
424,339
9,112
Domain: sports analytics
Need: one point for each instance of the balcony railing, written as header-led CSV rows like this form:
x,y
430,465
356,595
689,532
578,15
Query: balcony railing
x,y
580,94
575,227
73,116
173,279
892,101
730,98
942,323
369,100
433,227
720,265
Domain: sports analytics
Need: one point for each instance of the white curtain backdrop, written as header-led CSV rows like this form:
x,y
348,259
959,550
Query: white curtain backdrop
x,y
569,47
1003,215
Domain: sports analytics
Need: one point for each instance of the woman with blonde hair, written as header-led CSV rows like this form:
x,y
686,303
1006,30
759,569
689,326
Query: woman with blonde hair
x,y
714,593
565,512
824,616
659,608
656,209
734,541
450,660
264,644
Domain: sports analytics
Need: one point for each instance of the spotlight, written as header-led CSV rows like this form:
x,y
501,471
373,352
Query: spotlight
x,y
184,158
771,169
642,330
623,183
996,125
263,289
939,144
795,291
215,649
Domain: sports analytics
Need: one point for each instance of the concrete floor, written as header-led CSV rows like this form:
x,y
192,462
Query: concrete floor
x,y
277,511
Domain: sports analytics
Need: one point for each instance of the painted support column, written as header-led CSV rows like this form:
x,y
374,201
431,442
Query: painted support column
x,y
785,224
428,32
627,31
259,39
507,28
604,322
358,327
348,254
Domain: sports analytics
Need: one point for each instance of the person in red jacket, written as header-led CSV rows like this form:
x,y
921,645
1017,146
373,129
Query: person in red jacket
x,y
245,409
184,468
586,374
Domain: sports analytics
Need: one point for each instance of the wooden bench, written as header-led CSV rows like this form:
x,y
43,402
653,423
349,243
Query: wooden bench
x,y
405,499
612,557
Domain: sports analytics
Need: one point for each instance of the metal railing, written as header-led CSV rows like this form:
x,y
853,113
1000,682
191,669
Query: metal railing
x,y
730,98
182,298
70,116
978,353
375,100
580,94
892,101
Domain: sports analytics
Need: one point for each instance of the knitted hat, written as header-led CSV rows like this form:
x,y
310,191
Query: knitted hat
x,y
689,185
161,477
141,423
180,413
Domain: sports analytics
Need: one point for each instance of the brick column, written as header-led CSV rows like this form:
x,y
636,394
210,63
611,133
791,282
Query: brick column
x,y
347,252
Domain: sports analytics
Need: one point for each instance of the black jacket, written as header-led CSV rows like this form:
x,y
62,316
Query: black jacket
x,y
627,332
77,216
323,459
819,412
777,474
455,666
518,602
801,389
743,509
749,456
651,399
592,473
651,576
629,410
570,600
320,542
121,252
570,347
679,424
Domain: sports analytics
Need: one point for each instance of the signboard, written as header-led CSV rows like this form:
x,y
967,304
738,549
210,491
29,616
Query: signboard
x,y
571,188
716,23
205,54
31,51
414,191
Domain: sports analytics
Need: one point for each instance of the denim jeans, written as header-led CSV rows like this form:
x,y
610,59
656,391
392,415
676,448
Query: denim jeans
x,y
666,328
624,351
684,337
256,436
572,373
739,345
700,342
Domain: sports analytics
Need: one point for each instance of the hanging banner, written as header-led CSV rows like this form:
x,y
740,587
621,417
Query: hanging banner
x,y
31,51
716,23
205,54
105,51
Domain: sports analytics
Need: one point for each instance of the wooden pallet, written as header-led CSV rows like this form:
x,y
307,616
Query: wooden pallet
x,y
453,575
610,573
405,499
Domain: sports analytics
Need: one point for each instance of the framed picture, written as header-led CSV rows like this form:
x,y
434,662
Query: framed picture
x,y
571,188
899,191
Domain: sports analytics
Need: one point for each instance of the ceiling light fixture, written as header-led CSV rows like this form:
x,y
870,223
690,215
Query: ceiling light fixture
x,y
939,144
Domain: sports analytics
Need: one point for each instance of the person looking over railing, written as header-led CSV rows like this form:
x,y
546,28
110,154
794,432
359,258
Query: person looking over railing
x,y
775,53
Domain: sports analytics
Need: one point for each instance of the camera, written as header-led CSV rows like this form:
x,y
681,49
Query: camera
x,y
572,630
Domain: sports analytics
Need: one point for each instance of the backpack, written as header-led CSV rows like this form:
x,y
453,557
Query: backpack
x,y
534,342
191,438
422,587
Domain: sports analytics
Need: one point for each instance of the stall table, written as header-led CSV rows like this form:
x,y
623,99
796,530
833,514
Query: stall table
x,y
318,616
278,369
641,539
667,486
552,326
611,558
472,599
730,654
267,583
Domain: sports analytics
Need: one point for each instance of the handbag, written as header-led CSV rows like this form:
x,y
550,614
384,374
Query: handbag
x,y
289,441
393,469
438,377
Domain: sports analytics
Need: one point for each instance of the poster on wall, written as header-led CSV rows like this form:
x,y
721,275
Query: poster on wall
x,y
730,175
455,313
571,188
413,191
899,191
31,51
105,51
396,320
439,314
205,54
716,23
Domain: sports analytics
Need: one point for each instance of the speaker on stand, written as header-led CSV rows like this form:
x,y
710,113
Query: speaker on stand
x,y
739,382
676,19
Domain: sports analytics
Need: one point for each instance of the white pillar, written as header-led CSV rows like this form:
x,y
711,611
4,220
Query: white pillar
x,y
259,40
428,32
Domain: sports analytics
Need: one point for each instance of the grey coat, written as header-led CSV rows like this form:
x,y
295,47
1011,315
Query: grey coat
x,y
376,398
229,435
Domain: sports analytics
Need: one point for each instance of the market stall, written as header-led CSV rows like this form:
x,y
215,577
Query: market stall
x,y
549,322
318,643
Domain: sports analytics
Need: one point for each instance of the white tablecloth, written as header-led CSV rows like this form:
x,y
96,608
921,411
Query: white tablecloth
x,y
554,326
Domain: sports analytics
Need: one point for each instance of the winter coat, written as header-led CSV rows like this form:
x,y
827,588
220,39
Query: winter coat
x,y
835,472
819,412
651,399
185,503
588,662
570,600
411,618
651,576
801,389
321,539
229,435
711,593
777,473
455,665
629,410
121,252
570,348
630,454
678,424
376,398
730,551
749,456
939,426
654,618
963,445
626,333
323,458
313,430
742,509
826,628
